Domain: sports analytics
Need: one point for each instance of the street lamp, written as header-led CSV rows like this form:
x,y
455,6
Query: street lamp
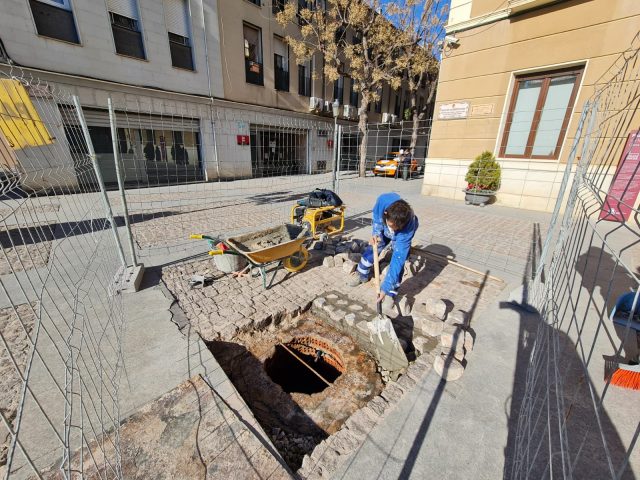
x,y
336,166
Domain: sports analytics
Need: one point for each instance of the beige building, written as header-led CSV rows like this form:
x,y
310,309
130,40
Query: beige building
x,y
203,89
514,77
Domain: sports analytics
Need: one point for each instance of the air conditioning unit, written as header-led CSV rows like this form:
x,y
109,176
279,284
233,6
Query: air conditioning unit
x,y
349,111
315,104
394,118
386,117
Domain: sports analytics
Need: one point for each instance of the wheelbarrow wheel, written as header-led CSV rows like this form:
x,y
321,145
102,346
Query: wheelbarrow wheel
x,y
297,261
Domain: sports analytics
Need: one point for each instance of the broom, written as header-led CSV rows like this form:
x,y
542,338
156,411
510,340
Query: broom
x,y
623,374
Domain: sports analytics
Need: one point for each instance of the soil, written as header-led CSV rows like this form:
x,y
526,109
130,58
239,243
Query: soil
x,y
297,422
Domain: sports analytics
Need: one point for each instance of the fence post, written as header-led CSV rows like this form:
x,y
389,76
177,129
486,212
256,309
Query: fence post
x,y
123,198
96,168
337,147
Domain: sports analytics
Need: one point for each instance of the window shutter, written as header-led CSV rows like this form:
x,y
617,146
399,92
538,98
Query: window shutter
x,y
126,8
176,13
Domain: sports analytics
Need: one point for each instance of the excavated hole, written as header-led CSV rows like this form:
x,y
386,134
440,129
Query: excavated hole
x,y
296,408
287,367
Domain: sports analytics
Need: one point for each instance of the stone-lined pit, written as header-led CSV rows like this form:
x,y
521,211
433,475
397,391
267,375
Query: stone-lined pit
x,y
304,365
294,406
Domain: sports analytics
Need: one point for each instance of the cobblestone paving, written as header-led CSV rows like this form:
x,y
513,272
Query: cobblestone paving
x,y
229,305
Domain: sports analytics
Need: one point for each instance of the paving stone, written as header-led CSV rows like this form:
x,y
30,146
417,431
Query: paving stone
x,y
328,262
436,307
350,319
349,267
355,307
468,342
456,317
361,422
337,315
344,441
448,368
378,405
406,383
392,393
428,326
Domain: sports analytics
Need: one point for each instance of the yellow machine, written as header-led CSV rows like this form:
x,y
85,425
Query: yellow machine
x,y
318,220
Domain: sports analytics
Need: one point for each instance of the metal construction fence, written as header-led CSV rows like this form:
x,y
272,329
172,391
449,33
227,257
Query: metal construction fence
x,y
168,168
569,420
61,318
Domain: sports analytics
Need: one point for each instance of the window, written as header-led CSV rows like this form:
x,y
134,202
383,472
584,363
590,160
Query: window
x,y
304,79
253,55
353,94
54,19
340,36
539,113
125,27
396,109
278,6
338,89
256,2
179,32
302,5
281,64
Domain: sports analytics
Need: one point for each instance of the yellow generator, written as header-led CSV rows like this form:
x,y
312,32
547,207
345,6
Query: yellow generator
x,y
321,212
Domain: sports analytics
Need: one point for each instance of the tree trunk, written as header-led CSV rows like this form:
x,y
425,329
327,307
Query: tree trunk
x,y
416,123
364,132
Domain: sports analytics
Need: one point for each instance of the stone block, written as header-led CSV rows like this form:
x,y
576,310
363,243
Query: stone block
x,y
405,306
392,393
406,383
422,344
349,267
350,319
452,338
428,326
338,261
457,317
448,368
436,307
328,262
337,315
378,405
468,342
355,257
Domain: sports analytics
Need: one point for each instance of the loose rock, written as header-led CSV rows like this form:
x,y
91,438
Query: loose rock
x,y
328,262
350,319
349,267
457,317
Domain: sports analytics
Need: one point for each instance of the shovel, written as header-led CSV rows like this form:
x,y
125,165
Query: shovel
x,y
381,324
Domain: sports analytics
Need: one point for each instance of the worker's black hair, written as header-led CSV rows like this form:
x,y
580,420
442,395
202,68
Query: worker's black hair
x,y
399,213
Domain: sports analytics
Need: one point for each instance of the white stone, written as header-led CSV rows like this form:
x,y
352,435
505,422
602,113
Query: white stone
x,y
453,367
349,267
319,302
436,307
328,262
350,319
457,317
468,342
452,338
338,261
355,307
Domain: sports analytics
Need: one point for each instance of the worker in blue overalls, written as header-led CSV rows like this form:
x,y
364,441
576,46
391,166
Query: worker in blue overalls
x,y
393,222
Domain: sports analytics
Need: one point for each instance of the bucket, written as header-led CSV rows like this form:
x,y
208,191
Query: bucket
x,y
228,263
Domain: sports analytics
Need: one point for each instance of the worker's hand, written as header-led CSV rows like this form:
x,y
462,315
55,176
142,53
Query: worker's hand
x,y
374,240
381,296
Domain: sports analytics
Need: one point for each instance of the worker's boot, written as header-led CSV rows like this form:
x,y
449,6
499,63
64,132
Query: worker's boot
x,y
356,279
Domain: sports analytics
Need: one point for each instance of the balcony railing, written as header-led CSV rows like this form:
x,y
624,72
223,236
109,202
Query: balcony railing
x,y
254,72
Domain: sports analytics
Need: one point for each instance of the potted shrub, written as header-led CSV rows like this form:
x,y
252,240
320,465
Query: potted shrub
x,y
483,179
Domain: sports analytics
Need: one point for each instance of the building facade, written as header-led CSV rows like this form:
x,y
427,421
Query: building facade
x,y
513,80
202,89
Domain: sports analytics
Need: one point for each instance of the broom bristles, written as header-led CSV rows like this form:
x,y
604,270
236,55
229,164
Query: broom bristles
x,y
626,379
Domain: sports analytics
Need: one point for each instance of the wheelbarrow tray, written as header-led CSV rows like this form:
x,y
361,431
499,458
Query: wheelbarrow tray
x,y
270,245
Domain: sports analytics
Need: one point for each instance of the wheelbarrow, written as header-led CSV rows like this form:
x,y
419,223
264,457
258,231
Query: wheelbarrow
x,y
279,246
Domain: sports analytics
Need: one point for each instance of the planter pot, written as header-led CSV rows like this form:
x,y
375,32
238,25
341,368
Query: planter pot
x,y
477,198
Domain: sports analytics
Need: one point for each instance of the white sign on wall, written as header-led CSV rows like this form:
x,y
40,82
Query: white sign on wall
x,y
450,111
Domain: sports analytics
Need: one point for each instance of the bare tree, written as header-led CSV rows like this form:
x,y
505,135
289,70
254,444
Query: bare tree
x,y
421,22
372,59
